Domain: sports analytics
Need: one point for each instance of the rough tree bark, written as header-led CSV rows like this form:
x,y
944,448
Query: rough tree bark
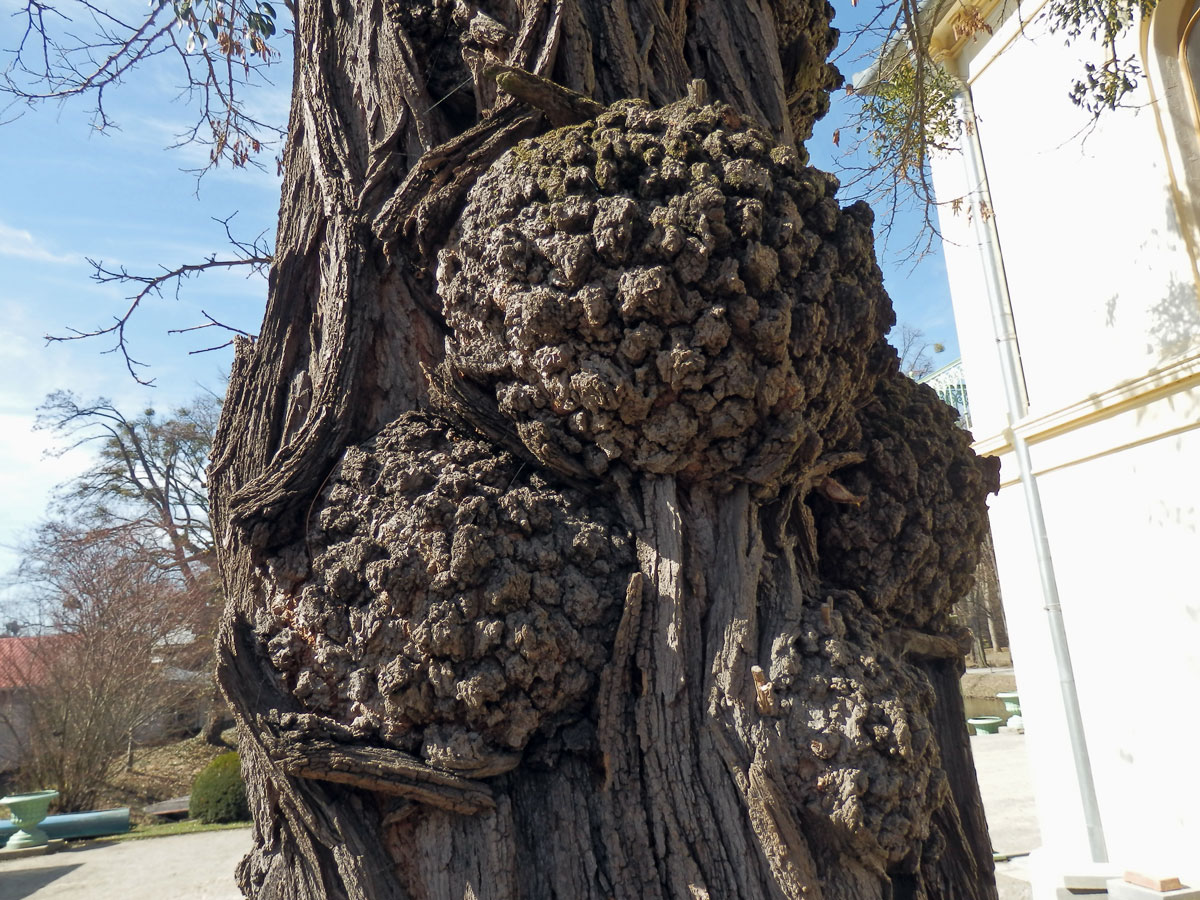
x,y
580,536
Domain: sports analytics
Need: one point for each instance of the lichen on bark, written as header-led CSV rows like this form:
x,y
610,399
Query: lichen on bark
x,y
862,760
458,603
665,290
910,547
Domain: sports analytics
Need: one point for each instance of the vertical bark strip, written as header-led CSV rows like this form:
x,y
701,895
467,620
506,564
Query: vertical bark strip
x,y
505,655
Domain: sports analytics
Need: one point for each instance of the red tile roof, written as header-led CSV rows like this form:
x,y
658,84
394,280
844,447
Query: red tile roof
x,y
24,660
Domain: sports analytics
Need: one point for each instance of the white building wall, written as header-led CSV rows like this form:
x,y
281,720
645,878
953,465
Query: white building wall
x,y
1066,189
1104,296
1059,811
1134,628
977,345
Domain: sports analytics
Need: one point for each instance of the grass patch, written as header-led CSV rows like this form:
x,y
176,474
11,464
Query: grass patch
x,y
165,829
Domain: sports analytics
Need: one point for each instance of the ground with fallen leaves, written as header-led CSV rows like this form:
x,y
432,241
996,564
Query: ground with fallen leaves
x,y
161,772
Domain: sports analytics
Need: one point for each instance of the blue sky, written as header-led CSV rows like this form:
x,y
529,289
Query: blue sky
x,y
68,192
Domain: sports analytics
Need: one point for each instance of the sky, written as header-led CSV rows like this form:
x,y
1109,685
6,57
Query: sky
x,y
69,193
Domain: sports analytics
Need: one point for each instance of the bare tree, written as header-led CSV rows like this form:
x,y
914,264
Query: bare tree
x,y
149,481
981,609
149,474
122,637
914,350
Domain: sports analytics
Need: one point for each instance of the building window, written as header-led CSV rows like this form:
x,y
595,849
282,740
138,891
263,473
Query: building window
x,y
1171,51
1189,59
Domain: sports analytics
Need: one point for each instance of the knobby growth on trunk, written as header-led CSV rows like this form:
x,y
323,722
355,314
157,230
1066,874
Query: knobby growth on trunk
x,y
581,536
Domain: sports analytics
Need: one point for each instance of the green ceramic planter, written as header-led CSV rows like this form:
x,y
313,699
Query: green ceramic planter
x,y
986,724
1012,702
27,811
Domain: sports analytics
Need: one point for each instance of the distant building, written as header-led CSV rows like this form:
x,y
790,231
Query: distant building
x,y
24,667
950,383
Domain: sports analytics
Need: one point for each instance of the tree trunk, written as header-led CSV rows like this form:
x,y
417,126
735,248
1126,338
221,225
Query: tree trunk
x,y
989,584
540,581
215,716
993,631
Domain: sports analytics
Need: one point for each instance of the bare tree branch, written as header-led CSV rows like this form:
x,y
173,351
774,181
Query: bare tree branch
x,y
254,255
211,323
75,48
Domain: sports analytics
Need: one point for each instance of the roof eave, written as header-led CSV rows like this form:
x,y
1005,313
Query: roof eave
x,y
937,23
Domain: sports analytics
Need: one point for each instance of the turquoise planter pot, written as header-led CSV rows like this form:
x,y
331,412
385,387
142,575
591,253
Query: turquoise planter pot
x,y
986,724
1012,702
67,826
27,811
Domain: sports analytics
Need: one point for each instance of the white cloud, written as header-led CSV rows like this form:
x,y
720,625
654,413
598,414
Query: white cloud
x,y
28,477
22,244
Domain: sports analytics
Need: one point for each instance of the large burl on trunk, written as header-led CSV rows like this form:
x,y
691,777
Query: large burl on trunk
x,y
581,537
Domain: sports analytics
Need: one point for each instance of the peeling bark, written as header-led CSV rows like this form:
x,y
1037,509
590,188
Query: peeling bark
x,y
553,440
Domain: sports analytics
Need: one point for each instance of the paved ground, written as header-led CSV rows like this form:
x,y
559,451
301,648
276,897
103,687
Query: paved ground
x,y
992,670
1007,794
200,866
182,867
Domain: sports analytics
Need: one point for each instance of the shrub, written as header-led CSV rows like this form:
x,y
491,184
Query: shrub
x,y
218,794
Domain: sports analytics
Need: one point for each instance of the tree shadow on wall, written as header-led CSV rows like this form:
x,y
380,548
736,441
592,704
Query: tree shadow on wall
x,y
1174,322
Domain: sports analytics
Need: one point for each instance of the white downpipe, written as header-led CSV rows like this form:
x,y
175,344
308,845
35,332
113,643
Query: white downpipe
x,y
1017,404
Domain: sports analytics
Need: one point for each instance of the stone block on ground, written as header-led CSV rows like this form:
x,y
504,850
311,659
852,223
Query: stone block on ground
x,y
1153,882
176,807
50,846
1119,889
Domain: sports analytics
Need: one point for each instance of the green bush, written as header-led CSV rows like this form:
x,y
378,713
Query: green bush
x,y
218,794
